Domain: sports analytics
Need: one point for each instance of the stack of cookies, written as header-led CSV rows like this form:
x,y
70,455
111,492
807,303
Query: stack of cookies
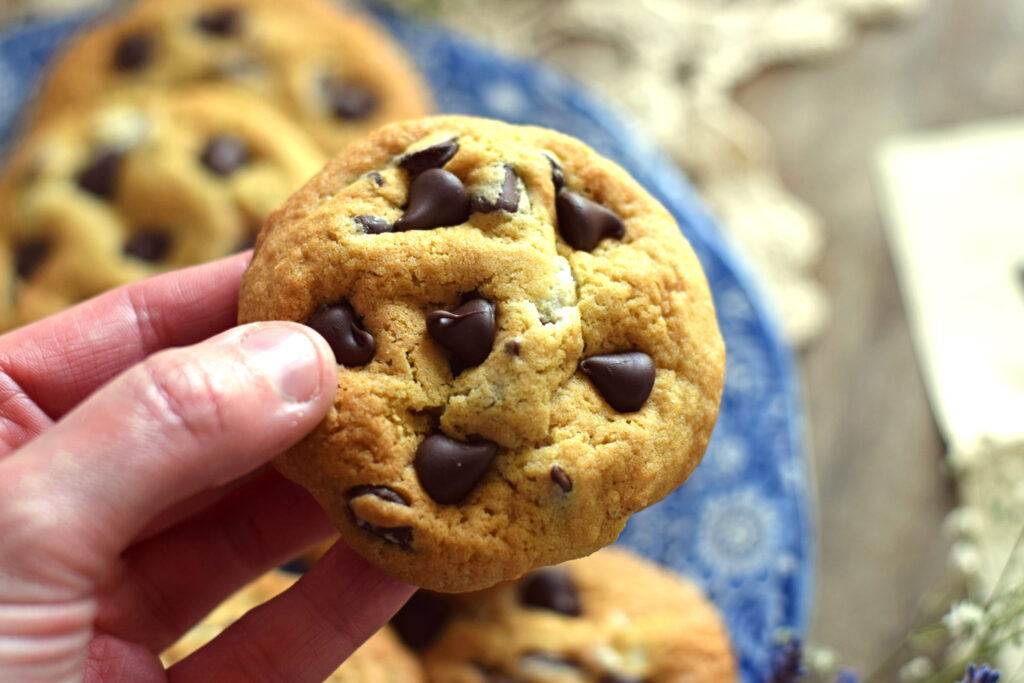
x,y
164,136
612,617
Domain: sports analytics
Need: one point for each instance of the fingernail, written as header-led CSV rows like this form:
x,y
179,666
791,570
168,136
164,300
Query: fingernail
x,y
289,359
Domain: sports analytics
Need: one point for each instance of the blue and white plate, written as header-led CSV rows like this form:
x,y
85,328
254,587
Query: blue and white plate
x,y
741,526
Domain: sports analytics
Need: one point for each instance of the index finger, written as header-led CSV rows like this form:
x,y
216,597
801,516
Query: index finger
x,y
60,360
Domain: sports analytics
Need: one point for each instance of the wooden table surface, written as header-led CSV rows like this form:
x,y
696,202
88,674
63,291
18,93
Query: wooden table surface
x,y
875,447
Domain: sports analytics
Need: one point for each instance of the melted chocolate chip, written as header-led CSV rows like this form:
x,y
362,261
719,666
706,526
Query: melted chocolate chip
x,y
133,52
583,223
377,178
352,345
551,589
449,469
349,100
148,244
225,154
434,156
559,476
421,619
624,379
513,347
30,255
100,176
221,22
437,199
557,175
508,198
396,535
374,225
468,333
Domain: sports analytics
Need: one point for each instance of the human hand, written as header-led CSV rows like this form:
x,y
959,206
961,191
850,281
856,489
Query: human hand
x,y
135,495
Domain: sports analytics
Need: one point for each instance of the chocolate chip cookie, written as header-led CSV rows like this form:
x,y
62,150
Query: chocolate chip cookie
x,y
334,73
609,618
137,184
381,659
527,349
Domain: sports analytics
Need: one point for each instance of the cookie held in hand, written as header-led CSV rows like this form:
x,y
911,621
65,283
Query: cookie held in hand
x,y
527,349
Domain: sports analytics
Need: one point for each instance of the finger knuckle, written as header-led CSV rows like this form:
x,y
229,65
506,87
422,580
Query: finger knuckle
x,y
183,396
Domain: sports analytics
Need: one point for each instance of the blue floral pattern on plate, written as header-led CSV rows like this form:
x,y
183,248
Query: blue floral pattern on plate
x,y
741,526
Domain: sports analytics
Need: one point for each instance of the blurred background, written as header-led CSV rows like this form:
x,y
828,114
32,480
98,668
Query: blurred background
x,y
778,111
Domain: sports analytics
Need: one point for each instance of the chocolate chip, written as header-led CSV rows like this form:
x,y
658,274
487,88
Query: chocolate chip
x,y
583,223
557,175
622,678
468,333
148,244
551,589
508,198
100,176
437,199
624,380
396,535
449,469
352,345
434,156
374,225
349,100
512,347
297,566
221,22
559,476
30,255
377,178
225,154
421,619
133,52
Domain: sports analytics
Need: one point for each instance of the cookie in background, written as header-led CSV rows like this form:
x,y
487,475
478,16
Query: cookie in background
x,y
335,73
133,184
381,659
613,617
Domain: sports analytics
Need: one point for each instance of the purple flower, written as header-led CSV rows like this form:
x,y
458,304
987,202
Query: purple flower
x,y
787,663
981,674
847,676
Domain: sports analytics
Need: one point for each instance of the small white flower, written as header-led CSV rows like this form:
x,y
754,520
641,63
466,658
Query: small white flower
x,y
963,619
964,521
916,669
820,659
966,558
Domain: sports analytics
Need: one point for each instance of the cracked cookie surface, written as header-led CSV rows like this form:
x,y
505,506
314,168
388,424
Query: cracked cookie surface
x,y
335,73
137,184
612,617
527,348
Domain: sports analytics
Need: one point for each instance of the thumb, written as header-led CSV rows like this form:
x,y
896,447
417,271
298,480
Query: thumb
x,y
181,421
